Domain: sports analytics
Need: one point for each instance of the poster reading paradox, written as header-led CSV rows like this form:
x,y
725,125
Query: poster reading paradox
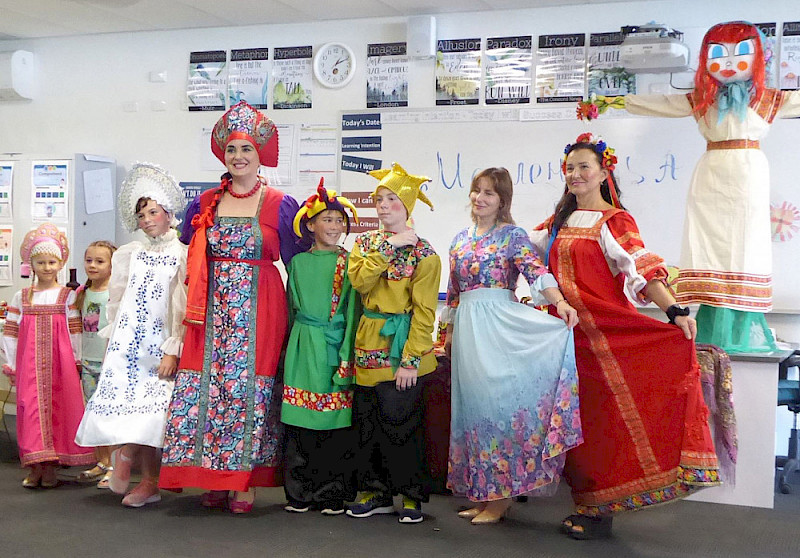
x,y
206,86
248,77
49,192
508,70
387,75
458,71
560,68
606,76
6,189
789,70
291,69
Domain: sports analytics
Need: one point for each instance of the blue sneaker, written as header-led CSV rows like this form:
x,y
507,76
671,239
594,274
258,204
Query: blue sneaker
x,y
411,512
371,503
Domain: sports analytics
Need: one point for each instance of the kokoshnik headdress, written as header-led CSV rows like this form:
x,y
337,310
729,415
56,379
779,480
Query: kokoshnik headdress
x,y
44,239
146,180
246,123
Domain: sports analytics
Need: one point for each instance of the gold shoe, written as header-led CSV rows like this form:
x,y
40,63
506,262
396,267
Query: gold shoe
x,y
31,482
471,512
493,513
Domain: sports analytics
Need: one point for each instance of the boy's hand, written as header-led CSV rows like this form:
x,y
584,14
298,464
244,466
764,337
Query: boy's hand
x,y
405,378
406,238
168,367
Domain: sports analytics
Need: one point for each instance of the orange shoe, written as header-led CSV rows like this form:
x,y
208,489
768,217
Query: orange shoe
x,y
146,492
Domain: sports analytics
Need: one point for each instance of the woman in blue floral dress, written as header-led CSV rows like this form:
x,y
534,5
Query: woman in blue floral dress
x,y
514,386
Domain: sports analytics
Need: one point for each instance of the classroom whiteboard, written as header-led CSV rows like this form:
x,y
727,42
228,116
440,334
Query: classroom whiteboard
x,y
656,160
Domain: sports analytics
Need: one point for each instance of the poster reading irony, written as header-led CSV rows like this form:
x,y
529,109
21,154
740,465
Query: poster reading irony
x,y
789,71
291,70
248,77
387,75
560,68
606,76
508,70
207,83
458,71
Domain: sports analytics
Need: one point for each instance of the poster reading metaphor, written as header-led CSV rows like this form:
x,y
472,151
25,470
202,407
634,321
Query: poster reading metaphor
x,y
292,71
207,83
508,70
387,75
248,77
770,44
49,190
606,76
6,189
458,71
560,68
6,255
789,70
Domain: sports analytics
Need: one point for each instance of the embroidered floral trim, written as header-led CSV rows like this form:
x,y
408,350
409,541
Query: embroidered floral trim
x,y
346,370
338,279
402,261
372,359
322,402
409,361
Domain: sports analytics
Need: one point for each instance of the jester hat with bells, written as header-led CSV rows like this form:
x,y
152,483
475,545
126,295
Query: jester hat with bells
x,y
44,239
243,122
405,186
319,202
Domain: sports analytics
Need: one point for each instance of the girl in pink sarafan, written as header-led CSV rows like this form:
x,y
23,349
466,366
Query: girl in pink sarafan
x,y
42,345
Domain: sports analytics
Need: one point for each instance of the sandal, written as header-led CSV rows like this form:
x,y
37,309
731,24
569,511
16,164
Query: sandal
x,y
106,478
32,481
586,528
568,522
214,499
239,506
90,475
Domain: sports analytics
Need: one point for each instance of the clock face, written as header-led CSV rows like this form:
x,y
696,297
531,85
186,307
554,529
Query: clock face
x,y
334,65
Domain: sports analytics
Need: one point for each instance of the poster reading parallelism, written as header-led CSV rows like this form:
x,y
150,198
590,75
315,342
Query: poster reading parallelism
x,y
789,70
206,87
6,255
49,190
769,42
6,189
606,75
508,70
560,68
458,71
292,72
248,77
387,75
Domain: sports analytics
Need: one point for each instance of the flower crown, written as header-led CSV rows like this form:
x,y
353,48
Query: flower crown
x,y
607,158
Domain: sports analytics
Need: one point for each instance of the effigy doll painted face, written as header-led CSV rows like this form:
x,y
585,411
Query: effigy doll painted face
x,y
731,62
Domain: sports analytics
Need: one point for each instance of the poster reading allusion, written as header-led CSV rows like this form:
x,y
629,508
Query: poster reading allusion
x,y
458,71
508,70
770,44
606,76
560,68
6,255
49,190
207,81
6,189
248,75
387,75
789,70
291,70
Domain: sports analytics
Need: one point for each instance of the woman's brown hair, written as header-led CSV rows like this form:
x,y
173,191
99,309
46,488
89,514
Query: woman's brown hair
x,y
501,182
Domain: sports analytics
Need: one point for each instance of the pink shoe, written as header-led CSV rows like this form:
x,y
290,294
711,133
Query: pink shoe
x,y
214,499
146,492
238,506
121,477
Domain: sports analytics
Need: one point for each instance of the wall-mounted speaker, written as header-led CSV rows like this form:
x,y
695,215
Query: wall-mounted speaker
x,y
421,36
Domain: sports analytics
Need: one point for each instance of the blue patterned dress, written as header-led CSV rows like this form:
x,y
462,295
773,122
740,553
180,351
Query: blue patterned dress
x,y
514,392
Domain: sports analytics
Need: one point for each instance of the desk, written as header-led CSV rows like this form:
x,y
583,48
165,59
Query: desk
x,y
755,396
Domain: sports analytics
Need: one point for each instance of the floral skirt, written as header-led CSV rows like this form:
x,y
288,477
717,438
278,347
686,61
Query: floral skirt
x,y
514,398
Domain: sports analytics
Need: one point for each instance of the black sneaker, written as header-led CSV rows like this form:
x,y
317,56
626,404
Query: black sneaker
x,y
411,512
332,507
371,503
297,507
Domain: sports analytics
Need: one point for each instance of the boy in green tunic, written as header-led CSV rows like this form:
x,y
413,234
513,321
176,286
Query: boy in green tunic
x,y
324,311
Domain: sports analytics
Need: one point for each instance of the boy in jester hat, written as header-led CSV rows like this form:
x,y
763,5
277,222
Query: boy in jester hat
x,y
324,311
397,274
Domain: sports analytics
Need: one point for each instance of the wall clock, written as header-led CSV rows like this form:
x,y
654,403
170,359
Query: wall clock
x,y
334,65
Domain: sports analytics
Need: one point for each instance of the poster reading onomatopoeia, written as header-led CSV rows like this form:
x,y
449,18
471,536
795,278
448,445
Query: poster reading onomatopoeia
x,y
508,70
606,76
789,70
6,189
6,255
248,77
207,85
560,68
458,71
291,70
387,75
49,190
770,46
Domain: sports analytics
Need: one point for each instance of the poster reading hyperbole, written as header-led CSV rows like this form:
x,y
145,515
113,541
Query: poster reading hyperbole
x,y
291,70
560,68
458,71
207,85
248,77
50,190
387,75
606,75
508,70
6,189
789,71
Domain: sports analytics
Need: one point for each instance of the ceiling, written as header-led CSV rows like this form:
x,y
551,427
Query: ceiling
x,y
21,19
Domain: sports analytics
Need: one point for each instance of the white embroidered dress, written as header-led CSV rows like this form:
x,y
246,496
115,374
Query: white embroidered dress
x,y
146,307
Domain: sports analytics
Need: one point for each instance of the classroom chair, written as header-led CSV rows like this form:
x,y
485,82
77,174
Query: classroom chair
x,y
789,395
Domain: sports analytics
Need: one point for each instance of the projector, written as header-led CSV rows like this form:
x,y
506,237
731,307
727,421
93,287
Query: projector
x,y
653,49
